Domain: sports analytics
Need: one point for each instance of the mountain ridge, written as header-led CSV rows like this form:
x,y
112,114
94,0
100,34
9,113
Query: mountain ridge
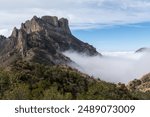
x,y
143,49
42,40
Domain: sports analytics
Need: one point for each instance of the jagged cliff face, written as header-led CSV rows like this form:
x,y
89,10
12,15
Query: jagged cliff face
x,y
42,40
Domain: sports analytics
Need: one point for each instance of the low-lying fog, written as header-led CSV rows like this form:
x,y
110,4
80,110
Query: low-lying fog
x,y
113,66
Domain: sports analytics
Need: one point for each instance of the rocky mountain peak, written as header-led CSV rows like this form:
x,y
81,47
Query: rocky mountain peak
x,y
14,32
53,20
32,25
43,40
34,17
63,23
46,23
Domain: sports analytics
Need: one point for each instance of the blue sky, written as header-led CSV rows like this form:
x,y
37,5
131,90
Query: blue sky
x,y
109,25
117,38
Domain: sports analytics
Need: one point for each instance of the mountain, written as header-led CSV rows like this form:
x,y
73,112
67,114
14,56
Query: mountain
x,y
144,49
42,40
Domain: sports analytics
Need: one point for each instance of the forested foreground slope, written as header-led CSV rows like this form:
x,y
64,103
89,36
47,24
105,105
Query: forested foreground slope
x,y
35,81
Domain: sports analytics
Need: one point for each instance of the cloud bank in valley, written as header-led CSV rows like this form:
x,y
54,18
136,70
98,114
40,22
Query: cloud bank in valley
x,y
113,67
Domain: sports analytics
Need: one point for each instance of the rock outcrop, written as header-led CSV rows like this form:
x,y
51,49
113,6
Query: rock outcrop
x,y
142,84
42,40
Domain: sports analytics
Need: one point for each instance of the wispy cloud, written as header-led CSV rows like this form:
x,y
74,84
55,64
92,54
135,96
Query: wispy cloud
x,y
83,14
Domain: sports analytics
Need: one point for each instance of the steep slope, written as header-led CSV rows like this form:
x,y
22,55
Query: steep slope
x,y
142,84
42,40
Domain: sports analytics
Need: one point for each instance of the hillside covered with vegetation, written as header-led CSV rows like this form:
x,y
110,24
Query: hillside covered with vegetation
x,y
24,80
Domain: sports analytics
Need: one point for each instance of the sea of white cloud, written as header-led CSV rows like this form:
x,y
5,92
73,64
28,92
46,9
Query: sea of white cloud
x,y
113,66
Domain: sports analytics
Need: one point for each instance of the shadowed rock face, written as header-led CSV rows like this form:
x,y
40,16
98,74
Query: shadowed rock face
x,y
2,40
42,40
